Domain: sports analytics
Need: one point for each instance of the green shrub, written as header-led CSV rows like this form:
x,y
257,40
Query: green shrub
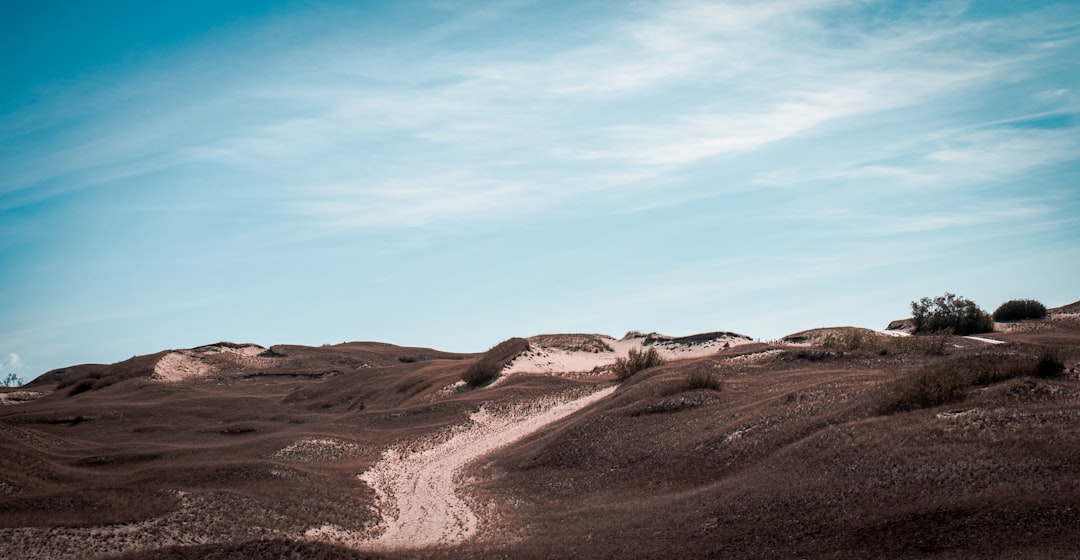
x,y
1019,309
635,361
950,312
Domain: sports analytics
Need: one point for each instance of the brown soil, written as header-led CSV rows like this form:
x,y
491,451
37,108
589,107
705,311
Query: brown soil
x,y
265,456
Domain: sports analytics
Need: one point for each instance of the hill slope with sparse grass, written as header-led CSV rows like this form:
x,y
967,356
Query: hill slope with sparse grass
x,y
831,443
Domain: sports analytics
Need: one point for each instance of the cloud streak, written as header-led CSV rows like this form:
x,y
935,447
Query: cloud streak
x,y
758,74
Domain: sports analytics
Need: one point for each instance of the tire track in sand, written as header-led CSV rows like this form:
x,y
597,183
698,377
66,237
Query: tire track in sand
x,y
417,492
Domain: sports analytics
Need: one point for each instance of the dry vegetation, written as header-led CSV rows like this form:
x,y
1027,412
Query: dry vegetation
x,y
488,366
949,380
636,361
852,445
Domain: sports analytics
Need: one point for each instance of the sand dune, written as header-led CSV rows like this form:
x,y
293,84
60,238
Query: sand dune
x,y
592,353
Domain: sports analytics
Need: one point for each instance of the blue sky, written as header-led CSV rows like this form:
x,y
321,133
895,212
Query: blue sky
x,y
451,174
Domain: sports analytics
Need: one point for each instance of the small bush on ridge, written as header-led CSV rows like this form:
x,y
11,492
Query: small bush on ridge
x,y
635,361
1019,309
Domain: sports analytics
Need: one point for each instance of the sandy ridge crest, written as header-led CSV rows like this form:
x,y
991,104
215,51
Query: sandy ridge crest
x,y
541,358
197,363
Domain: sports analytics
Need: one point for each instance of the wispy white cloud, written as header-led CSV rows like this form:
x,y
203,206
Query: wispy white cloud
x,y
12,363
668,86
980,155
922,223
434,200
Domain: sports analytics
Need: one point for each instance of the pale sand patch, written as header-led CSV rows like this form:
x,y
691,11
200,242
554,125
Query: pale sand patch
x,y
755,356
319,450
20,397
199,362
546,359
418,487
178,366
986,340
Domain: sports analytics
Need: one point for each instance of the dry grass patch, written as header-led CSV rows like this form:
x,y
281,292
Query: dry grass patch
x,y
929,344
489,365
948,381
701,380
852,340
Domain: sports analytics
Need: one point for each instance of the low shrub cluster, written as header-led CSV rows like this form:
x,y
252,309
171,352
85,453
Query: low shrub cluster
x,y
811,355
933,344
635,361
701,379
1019,309
481,372
947,381
1049,365
851,340
489,365
950,312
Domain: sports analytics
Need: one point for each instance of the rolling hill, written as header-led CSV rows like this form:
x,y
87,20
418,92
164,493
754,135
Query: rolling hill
x,y
830,443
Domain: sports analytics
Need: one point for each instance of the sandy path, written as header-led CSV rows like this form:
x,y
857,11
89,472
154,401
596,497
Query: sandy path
x,y
418,492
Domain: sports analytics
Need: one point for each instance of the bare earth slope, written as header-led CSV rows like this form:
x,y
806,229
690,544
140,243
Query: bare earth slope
x,y
734,450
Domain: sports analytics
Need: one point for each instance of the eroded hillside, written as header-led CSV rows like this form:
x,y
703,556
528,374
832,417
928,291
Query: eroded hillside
x,y
730,449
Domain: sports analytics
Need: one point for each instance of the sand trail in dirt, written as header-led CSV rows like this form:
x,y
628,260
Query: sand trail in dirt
x,y
419,492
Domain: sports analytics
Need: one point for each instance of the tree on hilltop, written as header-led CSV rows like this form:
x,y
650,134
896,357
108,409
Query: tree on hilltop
x,y
950,313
